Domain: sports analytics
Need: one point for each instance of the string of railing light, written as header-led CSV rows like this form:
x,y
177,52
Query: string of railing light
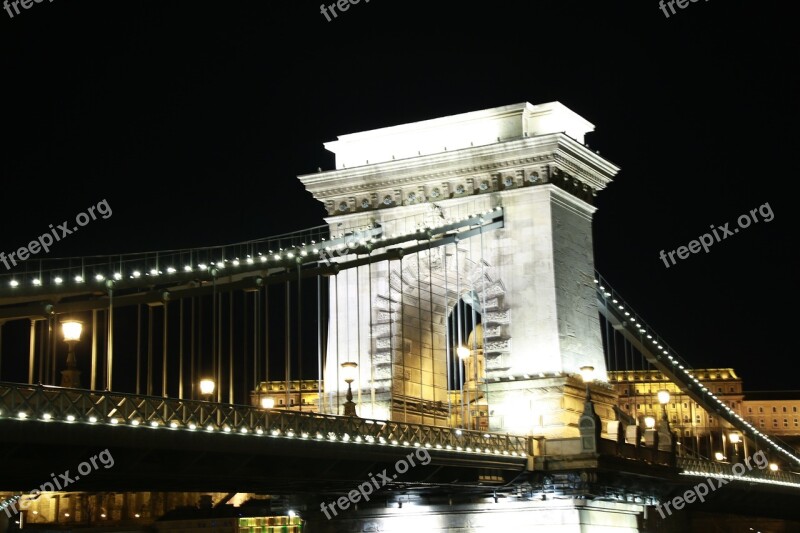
x,y
301,251
495,449
683,367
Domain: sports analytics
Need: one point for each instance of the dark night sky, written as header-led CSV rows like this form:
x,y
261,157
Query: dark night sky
x,y
193,119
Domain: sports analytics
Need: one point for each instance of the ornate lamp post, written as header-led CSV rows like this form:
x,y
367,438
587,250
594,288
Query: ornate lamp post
x,y
589,424
71,377
734,439
349,371
463,354
666,441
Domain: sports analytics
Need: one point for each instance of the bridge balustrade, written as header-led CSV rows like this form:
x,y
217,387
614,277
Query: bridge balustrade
x,y
704,467
57,404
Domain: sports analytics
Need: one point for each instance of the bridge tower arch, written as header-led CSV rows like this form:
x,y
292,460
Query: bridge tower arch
x,y
536,272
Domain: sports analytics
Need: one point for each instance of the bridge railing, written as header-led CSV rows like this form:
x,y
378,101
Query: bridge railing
x,y
681,371
58,404
755,472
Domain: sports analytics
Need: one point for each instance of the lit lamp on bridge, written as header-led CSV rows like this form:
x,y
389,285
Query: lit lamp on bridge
x,y
589,424
734,439
207,387
650,433
666,441
587,374
463,354
349,373
71,377
267,402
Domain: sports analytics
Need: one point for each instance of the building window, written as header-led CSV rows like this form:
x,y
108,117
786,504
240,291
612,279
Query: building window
x,y
750,410
786,422
685,419
761,422
685,405
732,390
784,408
774,422
774,409
794,409
697,419
795,422
760,409
638,406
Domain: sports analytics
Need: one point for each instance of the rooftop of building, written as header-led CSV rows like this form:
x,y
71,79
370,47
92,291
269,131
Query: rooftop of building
x,y
772,395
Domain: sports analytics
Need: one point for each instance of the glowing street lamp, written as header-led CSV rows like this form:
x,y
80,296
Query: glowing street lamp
x,y
71,377
207,387
463,352
649,422
267,402
663,397
734,439
589,422
349,373
587,373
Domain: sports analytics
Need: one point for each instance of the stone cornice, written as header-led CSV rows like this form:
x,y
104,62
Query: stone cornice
x,y
556,149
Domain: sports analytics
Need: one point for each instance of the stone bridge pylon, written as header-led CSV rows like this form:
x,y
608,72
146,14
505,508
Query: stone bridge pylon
x,y
529,284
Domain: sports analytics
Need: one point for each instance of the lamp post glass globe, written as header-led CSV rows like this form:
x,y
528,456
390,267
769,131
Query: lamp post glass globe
x,y
349,371
72,330
462,352
719,456
663,397
207,387
649,422
734,438
587,372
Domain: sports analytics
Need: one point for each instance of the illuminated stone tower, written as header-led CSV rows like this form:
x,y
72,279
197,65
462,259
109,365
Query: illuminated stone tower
x,y
530,281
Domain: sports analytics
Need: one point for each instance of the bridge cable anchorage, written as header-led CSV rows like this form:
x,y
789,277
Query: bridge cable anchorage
x,y
658,354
